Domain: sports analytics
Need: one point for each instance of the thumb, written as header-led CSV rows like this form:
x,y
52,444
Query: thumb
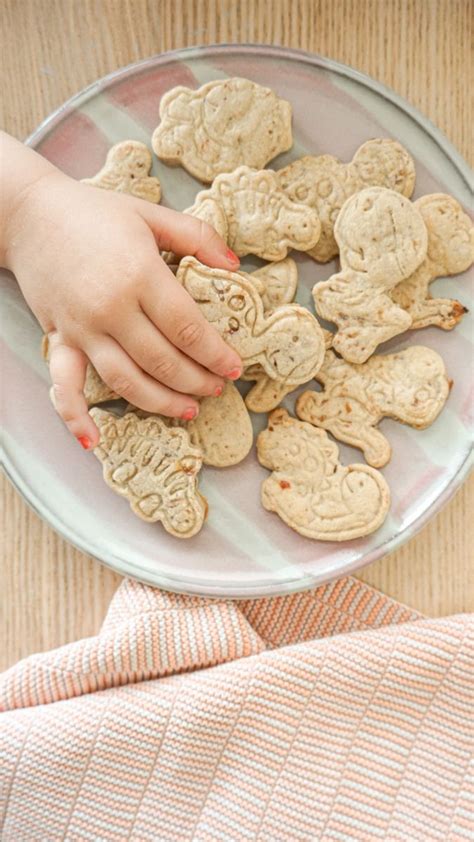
x,y
184,235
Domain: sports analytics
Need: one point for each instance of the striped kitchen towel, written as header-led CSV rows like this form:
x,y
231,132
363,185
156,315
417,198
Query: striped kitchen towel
x,y
336,714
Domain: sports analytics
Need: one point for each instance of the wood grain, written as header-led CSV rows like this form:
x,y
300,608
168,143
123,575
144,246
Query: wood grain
x,y
51,593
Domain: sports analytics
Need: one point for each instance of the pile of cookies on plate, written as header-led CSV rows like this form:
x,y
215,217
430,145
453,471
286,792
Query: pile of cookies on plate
x,y
389,248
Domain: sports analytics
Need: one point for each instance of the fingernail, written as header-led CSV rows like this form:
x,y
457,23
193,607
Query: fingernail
x,y
231,256
85,442
234,374
218,391
189,414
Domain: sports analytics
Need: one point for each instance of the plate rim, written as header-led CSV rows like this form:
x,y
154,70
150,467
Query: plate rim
x,y
312,580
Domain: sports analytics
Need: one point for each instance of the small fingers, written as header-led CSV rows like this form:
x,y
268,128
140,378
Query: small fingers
x,y
154,354
125,377
68,373
184,235
179,318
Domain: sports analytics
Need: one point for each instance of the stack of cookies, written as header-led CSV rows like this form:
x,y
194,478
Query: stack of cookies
x,y
389,249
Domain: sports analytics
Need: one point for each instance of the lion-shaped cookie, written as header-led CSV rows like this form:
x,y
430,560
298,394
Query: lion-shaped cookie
x,y
325,183
155,467
126,170
310,490
450,250
410,386
254,215
288,343
382,240
221,126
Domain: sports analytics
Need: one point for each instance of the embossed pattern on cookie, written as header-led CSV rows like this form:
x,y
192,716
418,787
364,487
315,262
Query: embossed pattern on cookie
x,y
410,386
267,394
288,342
276,283
126,170
310,490
450,250
154,467
382,240
254,215
325,183
222,125
222,430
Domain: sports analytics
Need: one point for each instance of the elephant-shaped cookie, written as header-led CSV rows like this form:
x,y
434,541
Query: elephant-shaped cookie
x,y
325,183
382,240
309,488
450,250
155,467
410,386
288,343
254,215
126,170
220,126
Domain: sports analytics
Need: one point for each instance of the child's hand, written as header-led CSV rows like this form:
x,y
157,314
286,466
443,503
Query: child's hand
x,y
88,265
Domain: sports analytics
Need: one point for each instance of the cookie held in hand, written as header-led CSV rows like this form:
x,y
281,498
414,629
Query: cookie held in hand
x,y
155,467
288,343
126,170
310,490
220,126
410,386
324,183
382,240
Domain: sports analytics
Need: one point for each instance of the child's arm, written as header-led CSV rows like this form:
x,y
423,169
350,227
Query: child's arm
x,y
88,265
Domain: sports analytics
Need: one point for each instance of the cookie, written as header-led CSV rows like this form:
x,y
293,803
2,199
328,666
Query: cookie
x,y
410,386
450,250
95,390
324,183
288,343
255,216
267,394
126,170
382,240
310,490
222,431
154,467
276,283
220,126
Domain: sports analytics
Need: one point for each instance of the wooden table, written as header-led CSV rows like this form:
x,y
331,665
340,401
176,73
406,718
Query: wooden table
x,y
51,593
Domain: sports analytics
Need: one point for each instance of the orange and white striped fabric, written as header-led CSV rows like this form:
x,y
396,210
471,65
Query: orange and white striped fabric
x,y
336,714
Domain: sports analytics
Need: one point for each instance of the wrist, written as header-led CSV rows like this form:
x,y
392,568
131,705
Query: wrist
x,y
22,173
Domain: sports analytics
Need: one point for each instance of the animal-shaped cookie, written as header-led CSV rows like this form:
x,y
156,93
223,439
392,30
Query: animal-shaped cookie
x,y
222,125
325,183
222,430
126,170
382,239
288,342
95,390
267,394
310,490
254,215
410,386
276,283
450,250
155,467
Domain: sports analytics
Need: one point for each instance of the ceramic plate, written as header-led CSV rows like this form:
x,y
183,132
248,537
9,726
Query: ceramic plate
x,y
242,550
